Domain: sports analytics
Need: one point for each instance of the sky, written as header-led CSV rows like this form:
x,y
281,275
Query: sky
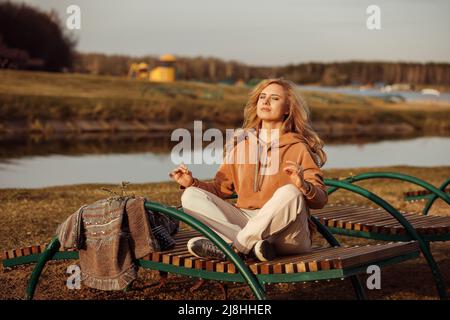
x,y
263,32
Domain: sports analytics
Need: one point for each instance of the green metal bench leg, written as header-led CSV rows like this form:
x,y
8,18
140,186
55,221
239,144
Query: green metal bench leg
x,y
253,282
356,282
435,271
359,289
45,256
424,247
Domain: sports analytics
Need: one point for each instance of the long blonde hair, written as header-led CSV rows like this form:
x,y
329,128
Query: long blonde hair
x,y
297,121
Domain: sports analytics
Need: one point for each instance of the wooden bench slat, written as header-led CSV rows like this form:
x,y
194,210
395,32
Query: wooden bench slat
x,y
337,211
339,219
378,220
381,219
382,253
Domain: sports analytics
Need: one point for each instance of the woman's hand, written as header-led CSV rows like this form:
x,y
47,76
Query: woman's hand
x,y
182,175
295,172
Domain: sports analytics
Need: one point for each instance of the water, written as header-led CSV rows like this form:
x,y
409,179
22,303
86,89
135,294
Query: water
x,y
421,152
407,95
42,170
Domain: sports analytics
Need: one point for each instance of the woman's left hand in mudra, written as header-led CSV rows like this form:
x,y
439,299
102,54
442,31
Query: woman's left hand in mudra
x,y
295,172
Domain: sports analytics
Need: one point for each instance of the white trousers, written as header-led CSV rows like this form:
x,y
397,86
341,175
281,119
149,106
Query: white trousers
x,y
283,220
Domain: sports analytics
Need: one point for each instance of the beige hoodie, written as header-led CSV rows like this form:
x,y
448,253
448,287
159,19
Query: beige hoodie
x,y
253,187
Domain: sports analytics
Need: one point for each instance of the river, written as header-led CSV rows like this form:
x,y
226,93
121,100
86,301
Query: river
x,y
48,165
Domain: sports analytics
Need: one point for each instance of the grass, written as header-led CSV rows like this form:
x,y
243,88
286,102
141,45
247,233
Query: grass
x,y
32,98
31,216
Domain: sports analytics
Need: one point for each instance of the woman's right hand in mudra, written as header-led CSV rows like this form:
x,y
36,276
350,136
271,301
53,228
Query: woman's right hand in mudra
x,y
182,175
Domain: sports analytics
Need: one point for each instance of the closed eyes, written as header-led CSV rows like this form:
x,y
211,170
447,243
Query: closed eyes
x,y
273,96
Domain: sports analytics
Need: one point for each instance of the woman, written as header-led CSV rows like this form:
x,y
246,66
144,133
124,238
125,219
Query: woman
x,y
271,216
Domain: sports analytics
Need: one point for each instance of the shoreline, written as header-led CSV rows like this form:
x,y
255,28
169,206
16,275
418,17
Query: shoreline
x,y
335,129
169,182
329,173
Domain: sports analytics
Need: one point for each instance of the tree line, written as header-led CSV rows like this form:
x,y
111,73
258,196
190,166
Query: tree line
x,y
27,32
211,69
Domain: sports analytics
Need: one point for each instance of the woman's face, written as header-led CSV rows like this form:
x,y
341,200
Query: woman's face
x,y
272,104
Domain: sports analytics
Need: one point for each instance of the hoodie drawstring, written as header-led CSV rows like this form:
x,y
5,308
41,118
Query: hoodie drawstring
x,y
256,175
257,180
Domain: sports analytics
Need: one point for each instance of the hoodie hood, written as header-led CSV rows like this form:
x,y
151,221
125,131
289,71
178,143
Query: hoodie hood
x,y
283,141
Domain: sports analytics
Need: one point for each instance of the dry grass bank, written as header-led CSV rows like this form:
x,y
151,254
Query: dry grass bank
x,y
44,102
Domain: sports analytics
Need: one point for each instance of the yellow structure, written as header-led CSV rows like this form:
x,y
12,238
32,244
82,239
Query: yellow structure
x,y
165,71
139,71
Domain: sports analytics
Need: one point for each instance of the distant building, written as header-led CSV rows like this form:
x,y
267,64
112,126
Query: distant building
x,y
430,91
139,71
165,71
401,87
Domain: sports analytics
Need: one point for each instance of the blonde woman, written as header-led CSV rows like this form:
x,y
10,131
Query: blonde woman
x,y
271,215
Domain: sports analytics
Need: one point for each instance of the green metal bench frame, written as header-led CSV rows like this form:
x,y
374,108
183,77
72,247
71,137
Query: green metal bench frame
x,y
411,233
255,282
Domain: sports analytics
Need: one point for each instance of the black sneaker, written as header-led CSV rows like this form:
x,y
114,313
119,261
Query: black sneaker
x,y
203,248
264,250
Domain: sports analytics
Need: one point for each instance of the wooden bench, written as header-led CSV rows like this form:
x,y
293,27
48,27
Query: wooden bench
x,y
377,223
341,259
417,195
322,263
421,195
387,223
